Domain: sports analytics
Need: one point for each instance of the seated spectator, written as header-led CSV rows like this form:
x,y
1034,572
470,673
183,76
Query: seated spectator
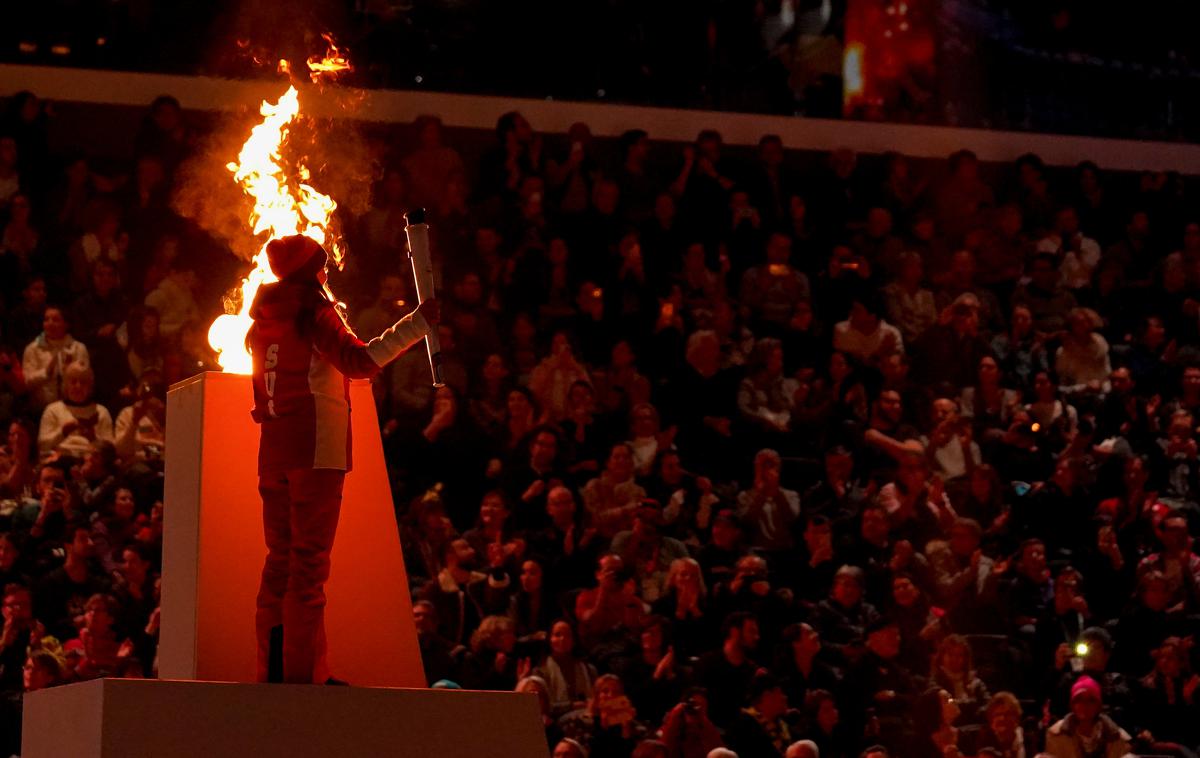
x,y
491,664
19,631
768,291
916,502
760,729
1020,351
876,680
146,346
954,672
934,734
1165,700
489,398
19,244
768,510
687,499
1044,295
568,677
842,619
647,438
687,729
552,378
653,676
102,644
532,471
1147,621
459,594
569,748
174,298
865,335
727,673
73,426
611,606
531,606
1091,656
1028,591
141,428
493,535
586,432
613,497
1080,254
1002,731
63,594
824,729
750,589
1179,565
1085,730
1053,414
649,552
966,578
722,554
909,306
920,627
1082,359
988,403
430,166
99,315
685,604
624,378
567,545
608,724
95,478
47,358
950,444
949,352
16,460
436,650
43,509
103,240
800,667
764,397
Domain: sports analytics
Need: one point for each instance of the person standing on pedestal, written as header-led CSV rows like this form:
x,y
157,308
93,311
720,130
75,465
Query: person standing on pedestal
x,y
303,357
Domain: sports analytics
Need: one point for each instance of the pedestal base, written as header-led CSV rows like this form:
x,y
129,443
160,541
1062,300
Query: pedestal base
x,y
146,718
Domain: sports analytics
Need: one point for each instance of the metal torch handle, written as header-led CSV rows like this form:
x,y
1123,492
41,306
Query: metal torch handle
x,y
418,248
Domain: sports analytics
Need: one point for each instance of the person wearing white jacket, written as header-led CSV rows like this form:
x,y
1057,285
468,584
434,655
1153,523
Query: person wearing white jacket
x,y
46,358
72,426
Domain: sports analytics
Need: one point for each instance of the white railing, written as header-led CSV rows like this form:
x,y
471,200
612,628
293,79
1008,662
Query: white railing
x,y
480,112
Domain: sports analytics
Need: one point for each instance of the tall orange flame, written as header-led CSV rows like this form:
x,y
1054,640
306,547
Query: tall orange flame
x,y
281,207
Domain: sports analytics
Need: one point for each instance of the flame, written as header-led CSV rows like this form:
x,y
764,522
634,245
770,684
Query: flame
x,y
334,62
282,207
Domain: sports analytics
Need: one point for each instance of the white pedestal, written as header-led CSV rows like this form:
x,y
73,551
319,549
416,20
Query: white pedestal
x,y
138,718
213,547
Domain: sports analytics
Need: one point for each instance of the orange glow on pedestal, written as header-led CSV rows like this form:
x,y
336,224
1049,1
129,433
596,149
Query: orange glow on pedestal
x,y
214,548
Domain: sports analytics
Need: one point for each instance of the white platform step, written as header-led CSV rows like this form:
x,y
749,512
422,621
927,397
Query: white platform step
x,y
147,718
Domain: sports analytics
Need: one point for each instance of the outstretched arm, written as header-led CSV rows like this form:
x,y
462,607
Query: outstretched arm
x,y
359,360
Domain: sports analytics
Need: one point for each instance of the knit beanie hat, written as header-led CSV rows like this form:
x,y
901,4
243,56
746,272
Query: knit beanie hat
x,y
294,254
1085,685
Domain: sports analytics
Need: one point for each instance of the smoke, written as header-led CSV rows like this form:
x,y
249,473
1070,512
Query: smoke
x,y
333,150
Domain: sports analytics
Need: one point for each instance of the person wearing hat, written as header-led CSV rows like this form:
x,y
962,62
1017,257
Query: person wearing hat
x,y
1090,656
760,729
877,680
647,550
1085,731
304,355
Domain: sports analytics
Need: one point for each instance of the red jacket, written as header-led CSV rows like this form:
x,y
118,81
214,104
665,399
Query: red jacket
x,y
304,357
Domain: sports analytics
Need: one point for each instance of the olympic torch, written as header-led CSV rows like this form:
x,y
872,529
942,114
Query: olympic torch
x,y
417,232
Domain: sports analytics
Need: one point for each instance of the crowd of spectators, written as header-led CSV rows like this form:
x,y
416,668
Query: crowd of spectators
x,y
876,457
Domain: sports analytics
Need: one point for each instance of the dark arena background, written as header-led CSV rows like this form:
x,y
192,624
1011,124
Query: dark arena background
x,y
818,378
